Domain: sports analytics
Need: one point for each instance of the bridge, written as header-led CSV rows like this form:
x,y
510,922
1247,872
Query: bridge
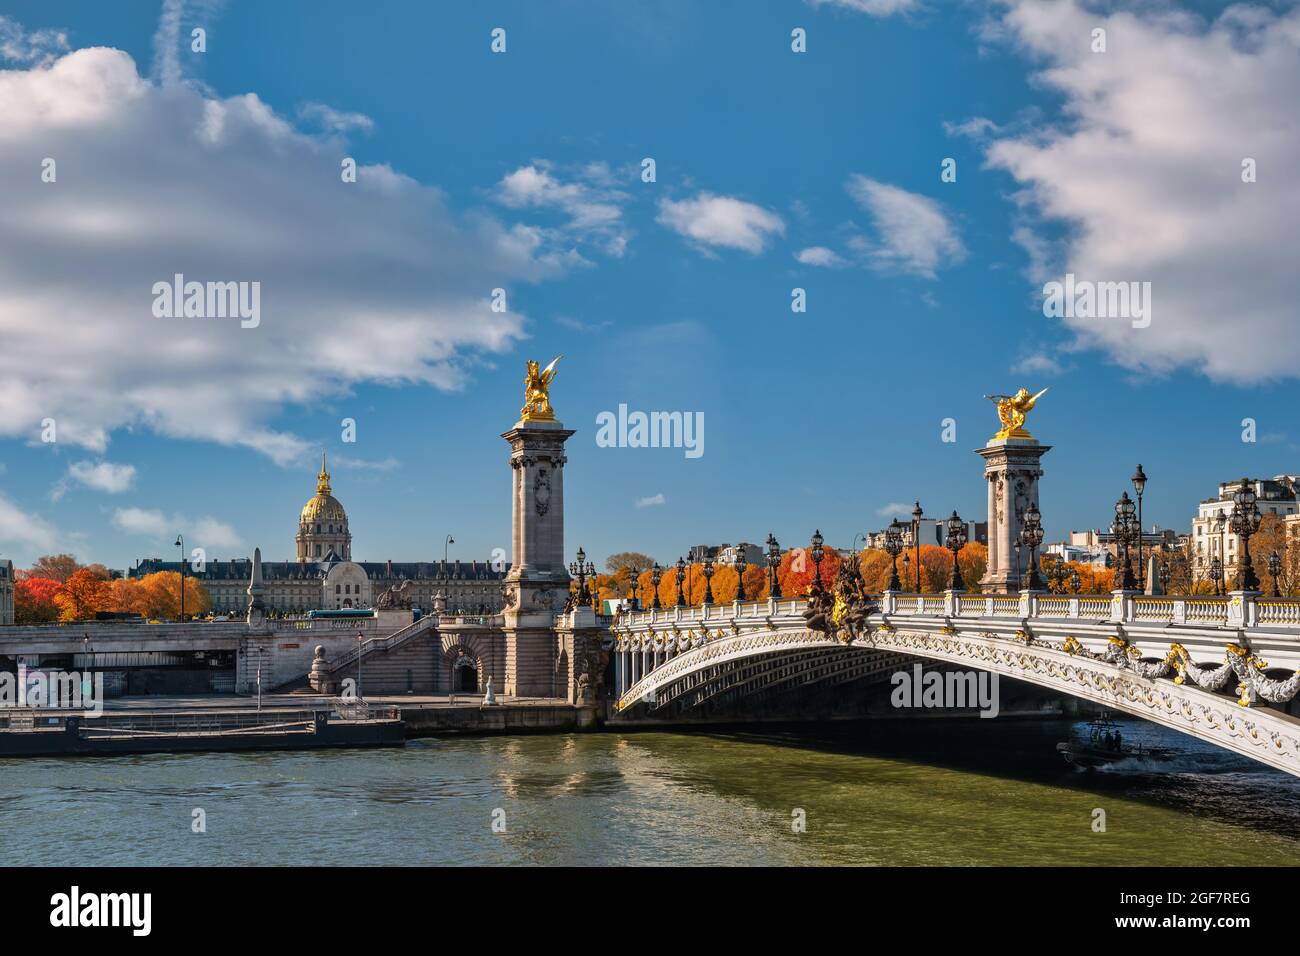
x,y
1225,670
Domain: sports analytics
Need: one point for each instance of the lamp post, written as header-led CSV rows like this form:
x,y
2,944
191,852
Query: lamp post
x,y
1216,573
1074,581
1274,569
893,545
445,545
579,569
773,562
359,638
180,543
681,576
1124,521
1031,535
1245,522
634,602
707,570
740,565
1220,527
1139,484
656,574
956,541
818,552
916,542
907,567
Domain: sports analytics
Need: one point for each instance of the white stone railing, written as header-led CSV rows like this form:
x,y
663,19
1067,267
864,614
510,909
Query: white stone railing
x,y
645,640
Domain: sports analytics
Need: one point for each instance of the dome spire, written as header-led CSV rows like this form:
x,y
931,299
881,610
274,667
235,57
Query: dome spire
x,y
323,479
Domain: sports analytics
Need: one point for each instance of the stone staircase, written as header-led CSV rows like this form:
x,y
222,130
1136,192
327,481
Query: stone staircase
x,y
403,661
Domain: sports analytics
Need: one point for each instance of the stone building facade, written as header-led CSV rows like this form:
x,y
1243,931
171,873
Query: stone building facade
x,y
324,576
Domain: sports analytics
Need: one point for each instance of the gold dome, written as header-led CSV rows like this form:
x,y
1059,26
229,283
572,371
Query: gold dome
x,y
324,506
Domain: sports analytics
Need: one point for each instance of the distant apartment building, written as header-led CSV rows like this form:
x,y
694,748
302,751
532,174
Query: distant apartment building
x,y
932,532
726,553
1213,538
6,591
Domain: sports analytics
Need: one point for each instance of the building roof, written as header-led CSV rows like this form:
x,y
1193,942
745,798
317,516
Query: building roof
x,y
241,569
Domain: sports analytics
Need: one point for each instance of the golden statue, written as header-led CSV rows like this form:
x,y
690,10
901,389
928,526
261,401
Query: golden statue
x,y
1012,410
537,393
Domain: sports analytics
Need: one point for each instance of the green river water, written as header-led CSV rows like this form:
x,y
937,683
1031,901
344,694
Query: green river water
x,y
936,792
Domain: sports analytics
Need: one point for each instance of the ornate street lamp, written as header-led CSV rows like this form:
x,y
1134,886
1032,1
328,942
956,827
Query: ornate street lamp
x,y
956,541
633,584
681,576
916,542
1074,581
893,545
1220,528
580,569
180,543
708,580
773,562
1274,569
1125,518
739,564
1216,573
907,568
1139,480
656,574
1245,522
818,552
1031,536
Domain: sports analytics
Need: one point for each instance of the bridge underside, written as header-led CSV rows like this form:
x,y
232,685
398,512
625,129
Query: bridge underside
x,y
777,682
762,668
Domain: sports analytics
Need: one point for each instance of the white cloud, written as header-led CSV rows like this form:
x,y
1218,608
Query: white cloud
x,y
365,464
875,8
894,509
651,502
103,476
1038,363
19,529
912,233
19,46
206,532
335,121
721,221
820,256
1144,170
590,199
373,281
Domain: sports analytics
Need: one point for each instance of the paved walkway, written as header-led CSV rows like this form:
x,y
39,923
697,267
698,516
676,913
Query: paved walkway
x,y
309,701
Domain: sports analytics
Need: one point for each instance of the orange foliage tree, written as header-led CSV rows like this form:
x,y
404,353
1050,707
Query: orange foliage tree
x,y
84,593
34,600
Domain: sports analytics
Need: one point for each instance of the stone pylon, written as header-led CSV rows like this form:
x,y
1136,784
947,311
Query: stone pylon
x,y
1011,467
537,585
256,592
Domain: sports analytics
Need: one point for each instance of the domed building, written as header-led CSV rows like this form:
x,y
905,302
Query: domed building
x,y
325,576
323,524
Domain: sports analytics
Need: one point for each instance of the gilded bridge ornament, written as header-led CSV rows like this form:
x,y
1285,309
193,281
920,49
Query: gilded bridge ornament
x,y
1012,410
537,393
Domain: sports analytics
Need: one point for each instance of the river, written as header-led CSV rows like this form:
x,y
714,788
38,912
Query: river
x,y
929,792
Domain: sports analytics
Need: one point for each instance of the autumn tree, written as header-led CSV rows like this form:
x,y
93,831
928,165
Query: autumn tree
x,y
34,600
81,596
628,560
160,597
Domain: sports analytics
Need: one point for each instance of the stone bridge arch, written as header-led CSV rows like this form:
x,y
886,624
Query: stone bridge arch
x,y
757,661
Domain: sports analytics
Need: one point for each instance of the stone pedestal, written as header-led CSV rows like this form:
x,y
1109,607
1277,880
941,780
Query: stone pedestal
x,y
1011,466
537,586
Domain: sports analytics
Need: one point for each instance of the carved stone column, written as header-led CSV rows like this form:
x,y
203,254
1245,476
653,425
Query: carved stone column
x,y
1011,467
538,583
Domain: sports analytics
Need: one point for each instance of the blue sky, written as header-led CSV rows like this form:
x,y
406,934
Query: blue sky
x,y
521,170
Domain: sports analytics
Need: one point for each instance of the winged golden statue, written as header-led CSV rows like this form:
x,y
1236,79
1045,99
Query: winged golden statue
x,y
537,392
1012,410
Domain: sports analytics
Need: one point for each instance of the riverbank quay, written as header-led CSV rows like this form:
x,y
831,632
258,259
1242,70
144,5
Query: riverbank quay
x,y
53,733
